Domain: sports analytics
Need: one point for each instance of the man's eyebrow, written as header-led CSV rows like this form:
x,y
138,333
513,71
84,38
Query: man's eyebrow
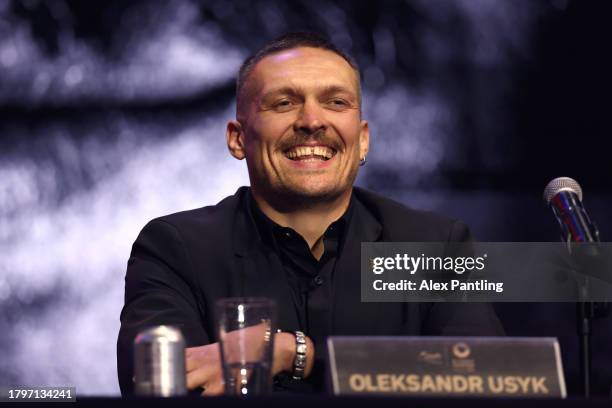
x,y
284,90
295,91
335,89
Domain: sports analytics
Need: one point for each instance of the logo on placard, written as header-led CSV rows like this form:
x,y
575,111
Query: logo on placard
x,y
460,361
430,357
461,350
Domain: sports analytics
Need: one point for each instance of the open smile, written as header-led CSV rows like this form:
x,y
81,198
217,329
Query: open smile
x,y
303,153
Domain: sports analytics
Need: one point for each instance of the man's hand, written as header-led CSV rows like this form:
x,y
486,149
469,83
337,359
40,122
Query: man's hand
x,y
203,363
203,366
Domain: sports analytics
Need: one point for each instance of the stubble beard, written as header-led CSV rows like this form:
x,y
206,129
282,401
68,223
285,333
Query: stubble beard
x,y
286,197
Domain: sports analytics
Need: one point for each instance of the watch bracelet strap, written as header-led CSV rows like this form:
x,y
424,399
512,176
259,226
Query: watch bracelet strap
x,y
299,363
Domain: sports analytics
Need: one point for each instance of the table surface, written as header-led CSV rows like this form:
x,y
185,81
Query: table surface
x,y
323,401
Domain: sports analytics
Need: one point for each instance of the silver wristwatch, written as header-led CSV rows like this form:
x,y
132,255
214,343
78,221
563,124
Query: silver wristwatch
x,y
299,364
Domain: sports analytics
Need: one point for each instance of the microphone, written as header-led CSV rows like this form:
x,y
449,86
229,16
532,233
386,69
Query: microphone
x,y
564,196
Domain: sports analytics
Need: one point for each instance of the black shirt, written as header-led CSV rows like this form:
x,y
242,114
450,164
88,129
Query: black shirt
x,y
310,279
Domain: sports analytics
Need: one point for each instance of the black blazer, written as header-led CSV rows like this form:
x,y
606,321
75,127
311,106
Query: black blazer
x,y
182,263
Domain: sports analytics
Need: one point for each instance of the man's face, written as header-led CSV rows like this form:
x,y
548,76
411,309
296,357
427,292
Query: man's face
x,y
302,131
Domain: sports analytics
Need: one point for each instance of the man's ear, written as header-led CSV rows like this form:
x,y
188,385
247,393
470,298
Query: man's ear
x,y
364,139
235,139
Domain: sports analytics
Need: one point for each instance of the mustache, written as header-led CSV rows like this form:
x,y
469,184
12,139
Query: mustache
x,y
301,138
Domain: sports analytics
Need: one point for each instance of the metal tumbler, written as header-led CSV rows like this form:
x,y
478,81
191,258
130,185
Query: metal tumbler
x,y
159,362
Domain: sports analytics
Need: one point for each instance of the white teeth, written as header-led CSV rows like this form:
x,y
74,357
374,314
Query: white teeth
x,y
301,151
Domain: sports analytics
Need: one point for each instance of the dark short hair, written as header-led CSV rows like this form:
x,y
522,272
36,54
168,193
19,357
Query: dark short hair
x,y
287,42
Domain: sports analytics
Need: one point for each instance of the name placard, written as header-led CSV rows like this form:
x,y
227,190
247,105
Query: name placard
x,y
447,366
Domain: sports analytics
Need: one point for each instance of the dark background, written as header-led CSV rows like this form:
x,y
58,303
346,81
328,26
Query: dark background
x,y
112,113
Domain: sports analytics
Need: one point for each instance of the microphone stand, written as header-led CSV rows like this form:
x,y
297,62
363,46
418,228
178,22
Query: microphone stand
x,y
584,318
586,311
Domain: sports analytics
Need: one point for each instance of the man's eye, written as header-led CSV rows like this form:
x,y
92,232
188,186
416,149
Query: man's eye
x,y
338,102
283,103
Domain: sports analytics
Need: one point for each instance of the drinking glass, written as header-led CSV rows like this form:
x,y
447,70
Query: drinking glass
x,y
245,328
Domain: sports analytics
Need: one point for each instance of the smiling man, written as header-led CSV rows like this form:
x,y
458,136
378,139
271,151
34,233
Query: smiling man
x,y
294,236
299,127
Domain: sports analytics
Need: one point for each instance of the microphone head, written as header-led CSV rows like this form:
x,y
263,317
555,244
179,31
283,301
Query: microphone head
x,y
561,184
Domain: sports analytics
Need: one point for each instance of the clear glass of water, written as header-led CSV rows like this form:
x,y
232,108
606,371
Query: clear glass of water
x,y
246,336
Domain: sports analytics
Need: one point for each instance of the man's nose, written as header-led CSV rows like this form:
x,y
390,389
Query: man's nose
x,y
311,118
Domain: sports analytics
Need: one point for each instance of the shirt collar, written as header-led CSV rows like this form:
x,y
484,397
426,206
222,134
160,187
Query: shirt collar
x,y
269,230
363,225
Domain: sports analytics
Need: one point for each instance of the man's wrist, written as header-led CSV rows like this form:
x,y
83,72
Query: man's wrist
x,y
285,343
285,352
